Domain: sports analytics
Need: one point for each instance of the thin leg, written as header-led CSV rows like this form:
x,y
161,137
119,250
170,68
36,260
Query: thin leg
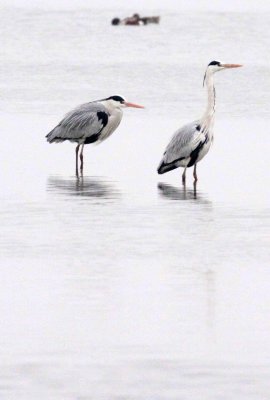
x,y
195,173
81,158
195,189
184,176
77,151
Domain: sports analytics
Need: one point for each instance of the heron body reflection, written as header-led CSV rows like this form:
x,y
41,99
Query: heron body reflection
x,y
92,187
182,193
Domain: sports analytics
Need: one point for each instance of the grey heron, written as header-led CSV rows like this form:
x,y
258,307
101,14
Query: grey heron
x,y
90,123
192,142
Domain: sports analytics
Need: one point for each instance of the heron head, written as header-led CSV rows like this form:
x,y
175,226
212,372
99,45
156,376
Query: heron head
x,y
215,66
115,101
120,102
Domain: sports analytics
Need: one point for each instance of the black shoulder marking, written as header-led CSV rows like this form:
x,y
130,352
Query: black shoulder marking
x,y
92,138
103,117
195,153
198,127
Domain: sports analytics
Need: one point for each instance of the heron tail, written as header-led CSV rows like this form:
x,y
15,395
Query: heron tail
x,y
163,168
54,136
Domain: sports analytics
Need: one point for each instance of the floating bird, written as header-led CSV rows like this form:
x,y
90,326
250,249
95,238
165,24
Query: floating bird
x,y
90,123
192,142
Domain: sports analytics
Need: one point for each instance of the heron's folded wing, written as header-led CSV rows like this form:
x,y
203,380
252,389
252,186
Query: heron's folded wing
x,y
183,142
82,122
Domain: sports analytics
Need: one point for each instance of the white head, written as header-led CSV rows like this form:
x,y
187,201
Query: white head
x,y
215,66
117,101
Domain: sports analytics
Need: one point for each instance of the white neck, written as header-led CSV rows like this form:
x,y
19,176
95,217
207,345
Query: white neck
x,y
208,117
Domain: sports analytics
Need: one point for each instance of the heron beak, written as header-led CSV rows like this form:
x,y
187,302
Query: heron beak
x,y
231,65
132,105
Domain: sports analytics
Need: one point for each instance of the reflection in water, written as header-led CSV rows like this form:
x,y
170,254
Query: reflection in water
x,y
210,281
96,187
146,299
181,193
185,279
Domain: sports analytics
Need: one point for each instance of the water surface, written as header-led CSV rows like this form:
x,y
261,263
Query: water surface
x,y
122,284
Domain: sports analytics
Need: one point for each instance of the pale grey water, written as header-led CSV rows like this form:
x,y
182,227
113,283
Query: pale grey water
x,y
122,285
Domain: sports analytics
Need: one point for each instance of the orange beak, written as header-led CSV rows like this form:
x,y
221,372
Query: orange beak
x,y
231,65
133,105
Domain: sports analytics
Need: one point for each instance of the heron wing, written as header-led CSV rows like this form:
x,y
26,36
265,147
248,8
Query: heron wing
x,y
84,122
183,143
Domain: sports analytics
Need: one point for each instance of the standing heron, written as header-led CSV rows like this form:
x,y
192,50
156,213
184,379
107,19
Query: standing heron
x,y
192,142
90,123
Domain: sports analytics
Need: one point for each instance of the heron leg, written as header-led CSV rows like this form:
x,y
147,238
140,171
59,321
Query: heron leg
x,y
195,189
195,173
184,176
81,158
77,151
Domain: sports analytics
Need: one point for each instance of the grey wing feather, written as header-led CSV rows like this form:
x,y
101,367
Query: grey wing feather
x,y
80,123
183,142
180,147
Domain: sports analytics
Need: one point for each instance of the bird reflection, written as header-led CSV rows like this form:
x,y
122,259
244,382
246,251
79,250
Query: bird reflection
x,y
95,187
202,282
210,283
181,193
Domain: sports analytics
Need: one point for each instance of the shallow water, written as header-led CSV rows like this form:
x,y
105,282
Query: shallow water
x,y
123,284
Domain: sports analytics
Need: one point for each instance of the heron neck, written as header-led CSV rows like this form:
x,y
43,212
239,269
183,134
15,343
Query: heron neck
x,y
208,116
